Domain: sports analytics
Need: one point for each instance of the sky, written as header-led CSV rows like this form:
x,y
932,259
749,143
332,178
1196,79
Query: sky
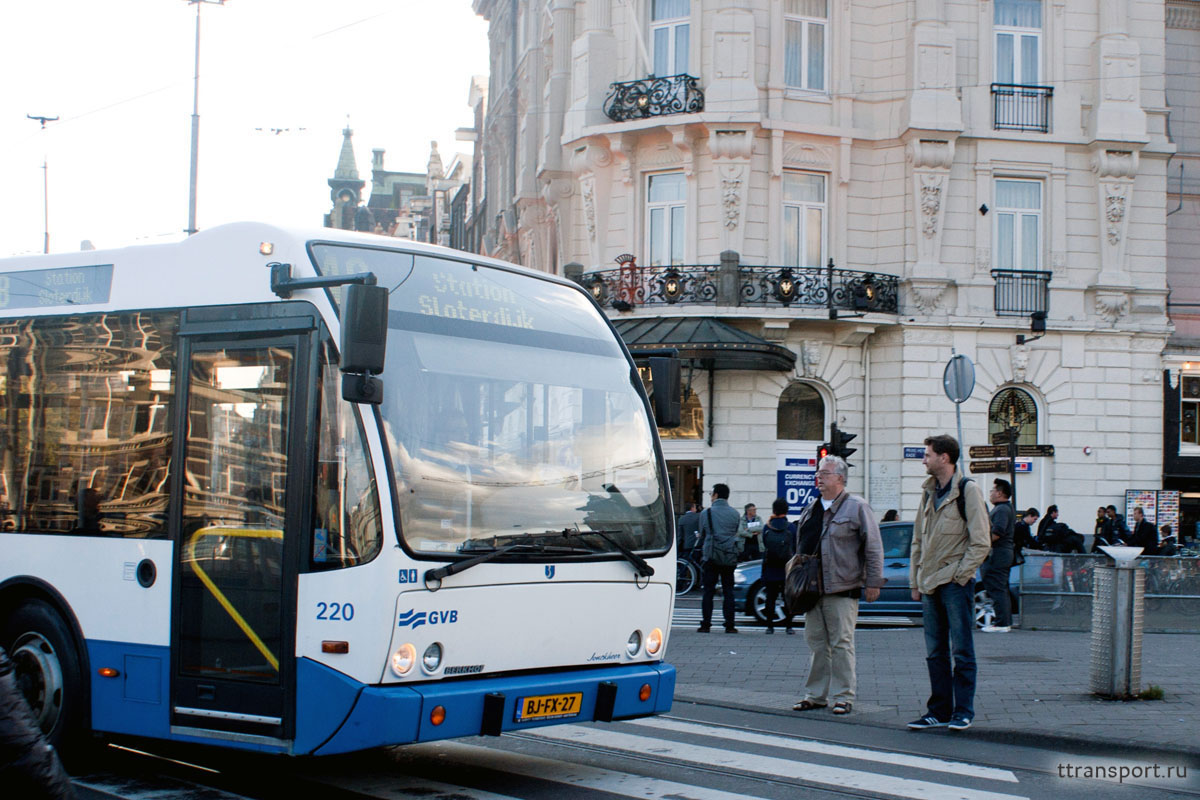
x,y
118,74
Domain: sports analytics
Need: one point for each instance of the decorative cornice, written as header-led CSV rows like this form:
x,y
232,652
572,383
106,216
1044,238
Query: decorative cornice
x,y
1115,163
930,153
926,293
807,156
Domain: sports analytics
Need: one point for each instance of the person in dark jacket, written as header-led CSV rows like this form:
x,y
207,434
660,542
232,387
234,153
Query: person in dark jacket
x,y
1118,533
778,536
1000,561
1043,526
688,529
1144,533
29,766
1023,534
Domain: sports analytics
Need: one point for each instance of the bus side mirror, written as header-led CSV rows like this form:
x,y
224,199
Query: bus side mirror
x,y
364,342
666,377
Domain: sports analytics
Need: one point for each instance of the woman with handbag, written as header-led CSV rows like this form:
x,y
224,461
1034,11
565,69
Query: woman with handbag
x,y
840,530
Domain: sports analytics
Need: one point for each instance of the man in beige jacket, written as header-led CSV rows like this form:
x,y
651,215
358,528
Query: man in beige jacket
x,y
947,549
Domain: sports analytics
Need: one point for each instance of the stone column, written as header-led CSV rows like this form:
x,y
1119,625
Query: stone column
x,y
594,60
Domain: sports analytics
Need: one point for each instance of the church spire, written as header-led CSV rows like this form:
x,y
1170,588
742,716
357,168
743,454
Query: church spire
x,y
346,170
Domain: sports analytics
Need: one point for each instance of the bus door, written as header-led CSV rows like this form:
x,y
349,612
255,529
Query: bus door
x,y
238,522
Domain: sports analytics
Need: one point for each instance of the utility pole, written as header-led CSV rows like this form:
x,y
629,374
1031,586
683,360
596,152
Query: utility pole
x,y
45,184
191,228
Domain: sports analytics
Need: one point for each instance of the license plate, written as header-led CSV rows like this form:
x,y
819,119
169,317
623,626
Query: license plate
x,y
549,706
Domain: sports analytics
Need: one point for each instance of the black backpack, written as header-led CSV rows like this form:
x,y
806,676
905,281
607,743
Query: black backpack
x,y
776,544
961,500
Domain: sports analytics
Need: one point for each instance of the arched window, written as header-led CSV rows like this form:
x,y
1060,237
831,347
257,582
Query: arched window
x,y
801,413
1014,408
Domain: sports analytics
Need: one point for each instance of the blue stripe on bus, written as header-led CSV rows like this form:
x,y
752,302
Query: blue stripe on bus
x,y
399,714
136,701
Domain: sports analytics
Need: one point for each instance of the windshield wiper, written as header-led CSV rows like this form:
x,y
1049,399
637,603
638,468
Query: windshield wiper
x,y
644,570
527,542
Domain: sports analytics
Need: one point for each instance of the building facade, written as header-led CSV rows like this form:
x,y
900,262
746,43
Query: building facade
x,y
818,203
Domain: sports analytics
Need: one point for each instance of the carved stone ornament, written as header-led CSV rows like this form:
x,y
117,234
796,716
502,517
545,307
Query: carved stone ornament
x,y
927,294
931,203
1114,213
1019,353
810,359
731,201
587,190
1111,306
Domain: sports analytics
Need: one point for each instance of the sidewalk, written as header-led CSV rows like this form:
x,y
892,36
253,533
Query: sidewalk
x,y
1033,686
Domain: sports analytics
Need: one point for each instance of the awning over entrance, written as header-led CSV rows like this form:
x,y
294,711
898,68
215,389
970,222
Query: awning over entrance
x,y
710,342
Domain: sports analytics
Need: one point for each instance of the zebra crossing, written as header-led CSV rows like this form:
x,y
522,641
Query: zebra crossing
x,y
666,758
689,617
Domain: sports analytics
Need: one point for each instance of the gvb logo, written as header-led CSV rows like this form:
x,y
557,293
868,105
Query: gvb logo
x,y
415,619
412,618
549,571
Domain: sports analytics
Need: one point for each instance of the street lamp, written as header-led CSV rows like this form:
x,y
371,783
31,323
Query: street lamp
x,y
191,228
45,183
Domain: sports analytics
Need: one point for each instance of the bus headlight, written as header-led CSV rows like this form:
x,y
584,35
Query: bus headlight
x,y
654,642
634,644
403,659
432,659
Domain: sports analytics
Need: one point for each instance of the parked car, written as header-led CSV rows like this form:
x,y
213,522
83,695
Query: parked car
x,y
895,599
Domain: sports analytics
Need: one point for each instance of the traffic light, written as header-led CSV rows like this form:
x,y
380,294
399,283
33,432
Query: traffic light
x,y
823,451
838,439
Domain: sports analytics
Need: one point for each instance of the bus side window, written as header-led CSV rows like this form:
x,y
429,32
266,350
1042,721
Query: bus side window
x,y
87,403
347,529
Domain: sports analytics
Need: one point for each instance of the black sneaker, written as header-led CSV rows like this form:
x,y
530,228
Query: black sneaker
x,y
704,629
926,722
959,723
730,629
770,631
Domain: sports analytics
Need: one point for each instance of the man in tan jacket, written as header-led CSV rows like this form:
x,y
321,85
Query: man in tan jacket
x,y
947,549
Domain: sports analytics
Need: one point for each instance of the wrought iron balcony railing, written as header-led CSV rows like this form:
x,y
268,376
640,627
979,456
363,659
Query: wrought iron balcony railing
x,y
1021,108
653,97
733,284
1021,292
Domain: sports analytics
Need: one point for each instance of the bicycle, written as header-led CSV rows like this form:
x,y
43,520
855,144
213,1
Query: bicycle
x,y
687,574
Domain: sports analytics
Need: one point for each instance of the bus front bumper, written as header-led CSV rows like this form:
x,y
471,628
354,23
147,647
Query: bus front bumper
x,y
400,714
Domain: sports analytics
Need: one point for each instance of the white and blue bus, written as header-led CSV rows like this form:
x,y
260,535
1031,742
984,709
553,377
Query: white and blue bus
x,y
228,518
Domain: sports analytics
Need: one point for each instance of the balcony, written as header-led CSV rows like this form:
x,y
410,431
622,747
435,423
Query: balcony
x,y
1021,292
733,284
653,97
1021,108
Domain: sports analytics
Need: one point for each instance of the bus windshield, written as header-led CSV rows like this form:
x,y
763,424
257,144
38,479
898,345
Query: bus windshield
x,y
509,410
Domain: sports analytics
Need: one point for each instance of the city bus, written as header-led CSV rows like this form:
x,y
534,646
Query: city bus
x,y
316,492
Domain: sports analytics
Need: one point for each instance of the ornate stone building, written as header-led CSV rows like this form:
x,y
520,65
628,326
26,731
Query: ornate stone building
x,y
818,202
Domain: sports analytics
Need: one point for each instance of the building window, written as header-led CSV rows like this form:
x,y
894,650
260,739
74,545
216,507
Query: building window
x,y
1018,224
670,30
805,24
801,413
803,219
691,416
1018,28
1189,411
1013,408
666,221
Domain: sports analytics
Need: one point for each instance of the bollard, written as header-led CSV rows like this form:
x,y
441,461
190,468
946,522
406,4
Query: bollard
x,y
1117,623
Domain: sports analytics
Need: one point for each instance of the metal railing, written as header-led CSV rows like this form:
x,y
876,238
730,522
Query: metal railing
x,y
733,284
1016,107
1021,292
653,97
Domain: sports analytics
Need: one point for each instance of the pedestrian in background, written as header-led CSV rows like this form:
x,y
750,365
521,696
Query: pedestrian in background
x,y
1023,535
718,543
1119,534
1050,519
842,528
948,546
1000,561
1144,534
749,528
687,529
778,548
892,515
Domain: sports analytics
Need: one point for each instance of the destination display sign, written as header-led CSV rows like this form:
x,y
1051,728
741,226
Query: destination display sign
x,y
995,465
66,286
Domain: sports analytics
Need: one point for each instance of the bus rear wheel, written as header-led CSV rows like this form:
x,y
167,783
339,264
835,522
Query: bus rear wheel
x,y
46,668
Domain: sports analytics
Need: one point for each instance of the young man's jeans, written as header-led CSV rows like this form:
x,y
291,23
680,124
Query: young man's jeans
x,y
710,574
995,580
949,617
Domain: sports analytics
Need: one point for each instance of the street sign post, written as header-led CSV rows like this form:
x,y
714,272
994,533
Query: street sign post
x,y
1004,436
988,451
958,380
1035,451
995,465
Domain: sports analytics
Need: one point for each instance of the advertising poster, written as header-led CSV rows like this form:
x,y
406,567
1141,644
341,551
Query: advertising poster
x,y
1147,499
797,482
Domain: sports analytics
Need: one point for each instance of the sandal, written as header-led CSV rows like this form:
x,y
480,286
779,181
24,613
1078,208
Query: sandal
x,y
807,705
842,708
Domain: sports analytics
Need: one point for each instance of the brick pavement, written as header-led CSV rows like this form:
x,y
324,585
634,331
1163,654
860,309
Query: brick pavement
x,y
1033,686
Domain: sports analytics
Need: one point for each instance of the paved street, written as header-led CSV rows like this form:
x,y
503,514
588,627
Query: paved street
x,y
1033,685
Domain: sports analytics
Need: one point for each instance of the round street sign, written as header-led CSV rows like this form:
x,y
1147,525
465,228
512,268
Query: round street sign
x,y
959,378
